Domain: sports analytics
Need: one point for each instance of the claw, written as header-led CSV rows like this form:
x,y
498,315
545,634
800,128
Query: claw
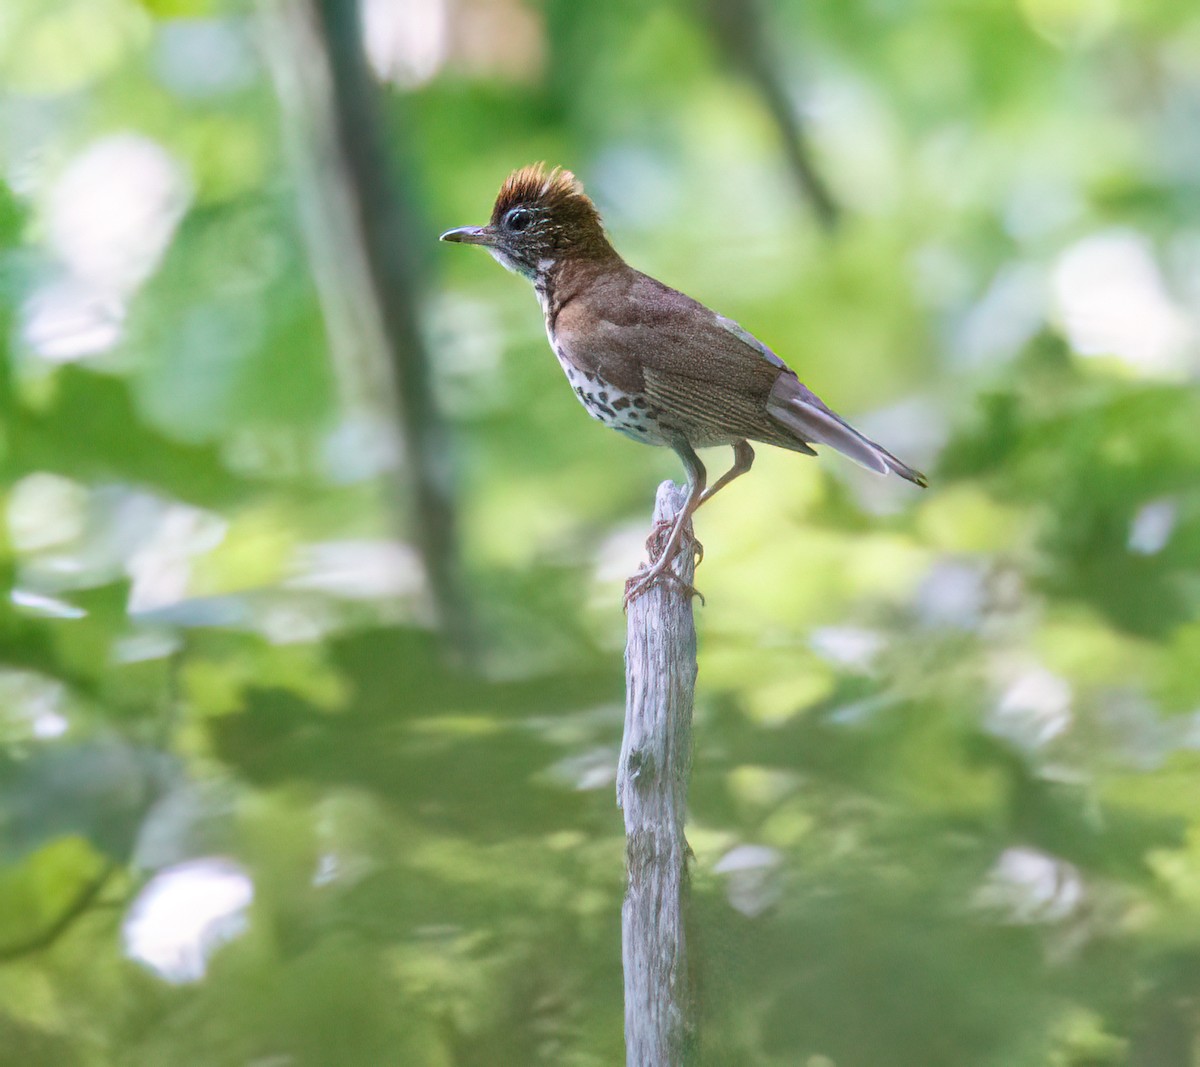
x,y
641,582
658,532
668,537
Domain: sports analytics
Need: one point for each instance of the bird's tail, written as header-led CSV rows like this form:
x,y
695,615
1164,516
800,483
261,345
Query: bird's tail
x,y
804,413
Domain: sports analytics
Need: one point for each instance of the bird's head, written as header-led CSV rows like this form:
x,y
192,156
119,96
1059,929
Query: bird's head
x,y
540,218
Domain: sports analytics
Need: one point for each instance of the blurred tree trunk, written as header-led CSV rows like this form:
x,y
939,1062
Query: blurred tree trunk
x,y
365,236
737,27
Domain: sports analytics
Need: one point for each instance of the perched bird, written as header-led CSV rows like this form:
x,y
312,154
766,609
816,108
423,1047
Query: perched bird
x,y
647,360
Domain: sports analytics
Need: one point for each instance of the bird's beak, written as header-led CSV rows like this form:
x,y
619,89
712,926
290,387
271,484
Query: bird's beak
x,y
470,235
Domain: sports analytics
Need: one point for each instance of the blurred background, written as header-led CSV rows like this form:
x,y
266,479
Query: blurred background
x,y
310,669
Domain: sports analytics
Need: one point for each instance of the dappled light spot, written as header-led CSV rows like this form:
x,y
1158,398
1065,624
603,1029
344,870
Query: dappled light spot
x,y
774,702
67,319
358,569
49,725
1071,23
953,593
204,57
113,210
358,449
32,707
749,877
110,216
184,914
406,43
161,566
1113,301
1028,886
46,607
592,768
305,620
1138,735
45,511
852,647
64,47
1009,314
145,645
1034,709
1042,203
1152,527
74,538
618,554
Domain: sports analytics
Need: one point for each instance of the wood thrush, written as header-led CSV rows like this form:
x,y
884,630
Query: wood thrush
x,y
649,361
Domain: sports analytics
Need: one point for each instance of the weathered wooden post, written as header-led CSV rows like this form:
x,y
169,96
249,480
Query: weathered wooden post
x,y
652,781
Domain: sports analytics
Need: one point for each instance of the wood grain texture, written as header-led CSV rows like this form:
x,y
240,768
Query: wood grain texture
x,y
652,781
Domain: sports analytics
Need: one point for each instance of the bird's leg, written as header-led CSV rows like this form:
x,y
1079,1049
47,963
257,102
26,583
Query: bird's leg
x,y
697,477
743,460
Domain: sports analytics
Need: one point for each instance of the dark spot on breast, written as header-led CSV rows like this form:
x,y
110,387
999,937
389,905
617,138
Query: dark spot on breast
x,y
640,429
589,377
603,396
639,402
607,410
621,403
579,390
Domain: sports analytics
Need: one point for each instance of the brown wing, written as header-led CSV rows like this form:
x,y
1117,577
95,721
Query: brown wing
x,y
709,377
716,381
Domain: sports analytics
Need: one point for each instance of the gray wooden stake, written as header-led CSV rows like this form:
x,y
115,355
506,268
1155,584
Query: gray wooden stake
x,y
652,781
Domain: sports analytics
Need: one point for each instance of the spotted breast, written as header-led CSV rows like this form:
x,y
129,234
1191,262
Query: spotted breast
x,y
634,416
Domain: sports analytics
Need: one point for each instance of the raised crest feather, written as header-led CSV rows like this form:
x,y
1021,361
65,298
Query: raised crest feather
x,y
535,185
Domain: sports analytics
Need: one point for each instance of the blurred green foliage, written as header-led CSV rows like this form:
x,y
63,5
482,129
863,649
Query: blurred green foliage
x,y
946,804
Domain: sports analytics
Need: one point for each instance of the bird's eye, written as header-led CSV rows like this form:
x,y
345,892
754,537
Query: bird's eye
x,y
518,219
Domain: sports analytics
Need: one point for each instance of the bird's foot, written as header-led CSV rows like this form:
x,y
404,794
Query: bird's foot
x,y
666,540
662,571
659,534
642,581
